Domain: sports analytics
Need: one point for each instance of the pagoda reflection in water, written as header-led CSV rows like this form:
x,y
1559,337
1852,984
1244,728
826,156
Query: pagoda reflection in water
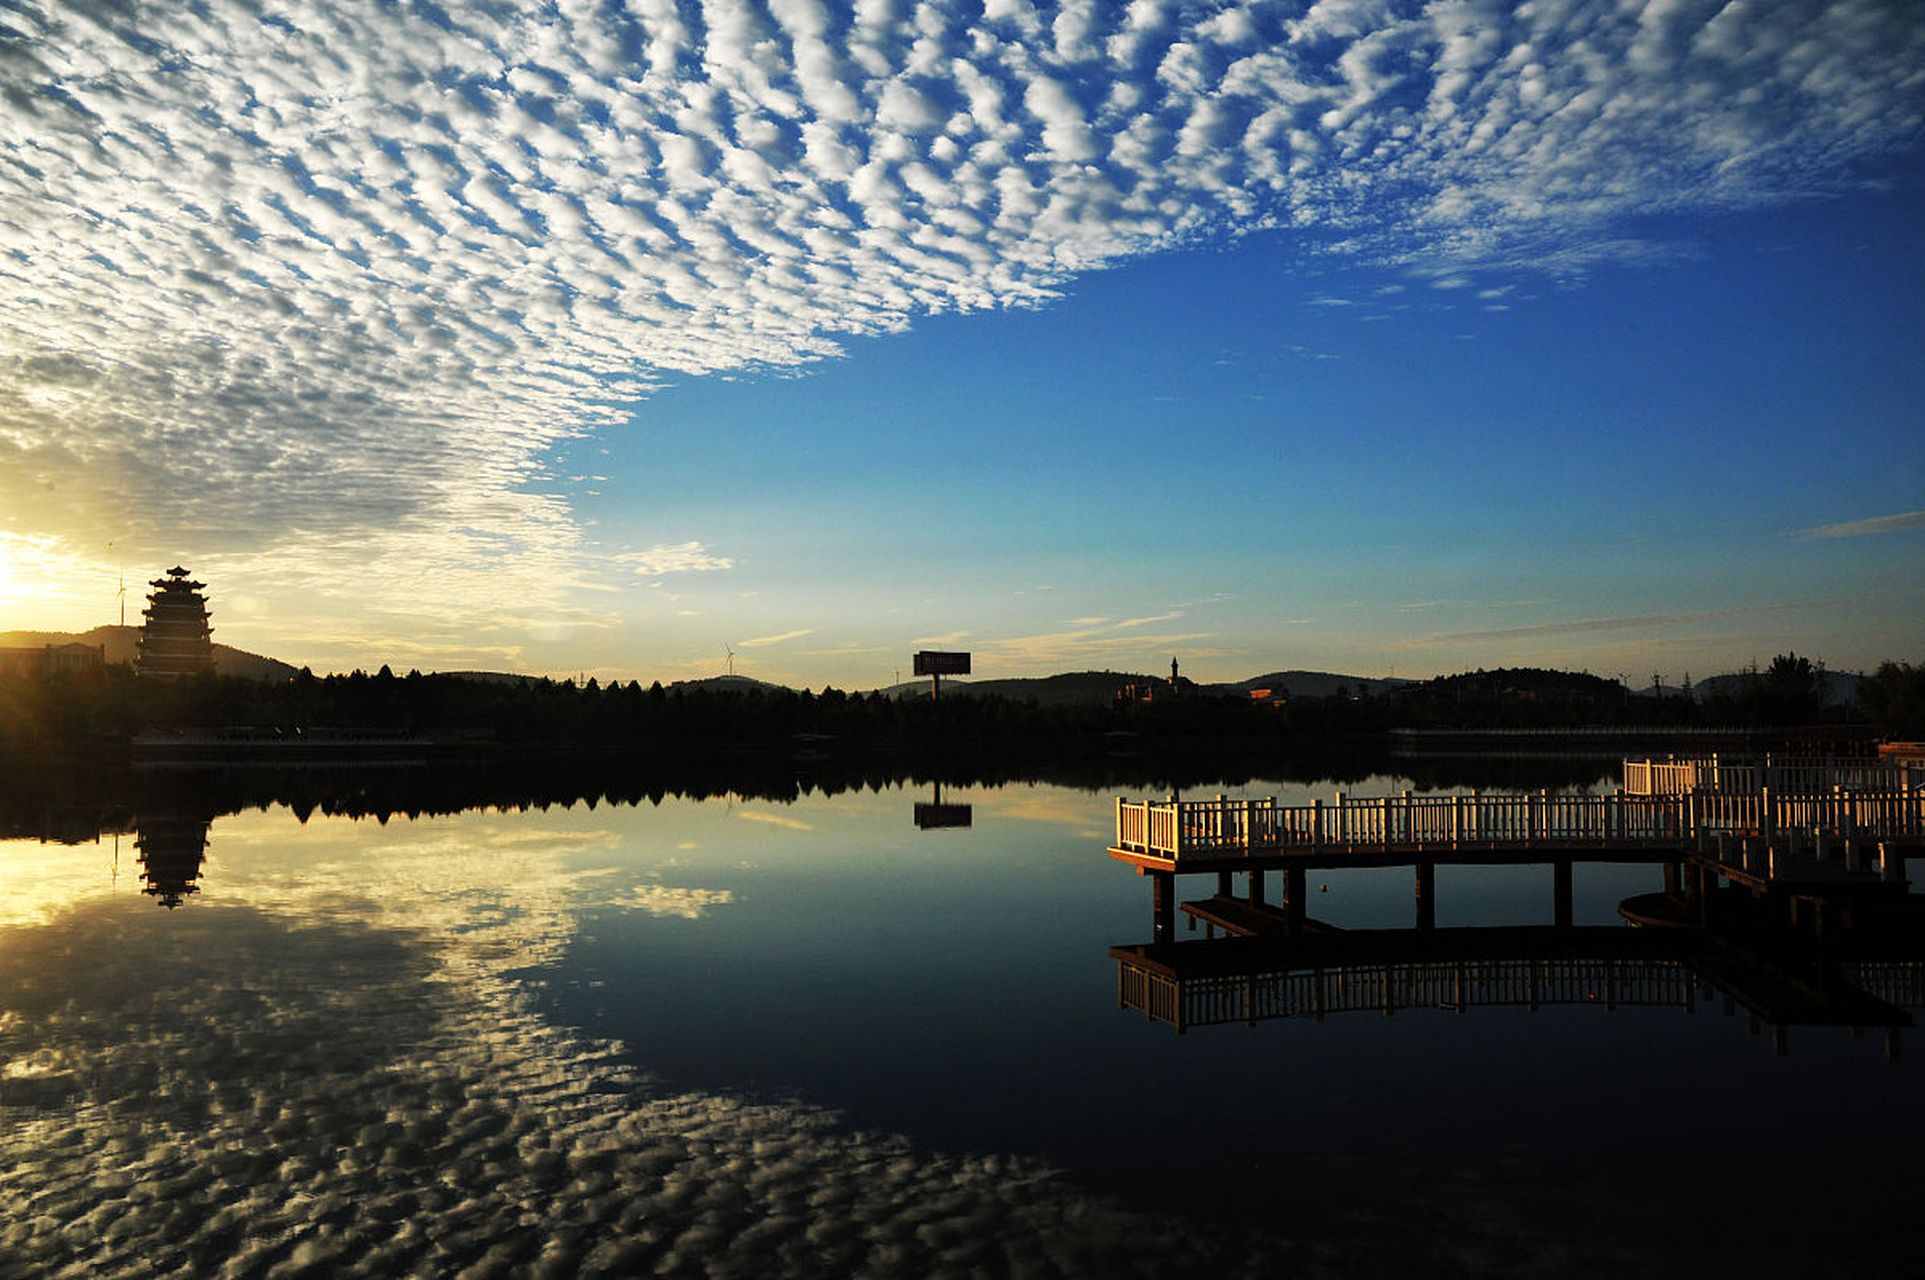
x,y
171,847
176,639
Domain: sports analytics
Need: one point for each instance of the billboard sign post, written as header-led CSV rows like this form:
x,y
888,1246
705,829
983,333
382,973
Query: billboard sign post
x,y
937,665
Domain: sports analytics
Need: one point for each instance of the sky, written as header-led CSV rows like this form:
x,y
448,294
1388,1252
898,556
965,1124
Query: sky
x,y
591,337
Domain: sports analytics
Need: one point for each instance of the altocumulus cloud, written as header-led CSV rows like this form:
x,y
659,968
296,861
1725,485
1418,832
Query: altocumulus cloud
x,y
321,286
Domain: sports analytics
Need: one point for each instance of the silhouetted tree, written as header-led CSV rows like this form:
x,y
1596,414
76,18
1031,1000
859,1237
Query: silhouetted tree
x,y
1893,697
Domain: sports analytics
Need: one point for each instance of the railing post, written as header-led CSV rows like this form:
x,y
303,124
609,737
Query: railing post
x,y
1766,825
1691,833
1343,820
1316,823
1119,821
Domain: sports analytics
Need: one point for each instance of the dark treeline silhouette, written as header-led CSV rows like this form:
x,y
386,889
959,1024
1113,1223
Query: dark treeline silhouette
x,y
73,802
1893,697
109,705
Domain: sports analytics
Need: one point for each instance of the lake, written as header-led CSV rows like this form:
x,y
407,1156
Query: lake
x,y
743,1036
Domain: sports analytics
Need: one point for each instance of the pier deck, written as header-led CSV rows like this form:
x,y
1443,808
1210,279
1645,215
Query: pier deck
x,y
1840,831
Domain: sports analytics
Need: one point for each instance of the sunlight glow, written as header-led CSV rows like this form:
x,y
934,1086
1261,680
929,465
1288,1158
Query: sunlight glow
x,y
46,586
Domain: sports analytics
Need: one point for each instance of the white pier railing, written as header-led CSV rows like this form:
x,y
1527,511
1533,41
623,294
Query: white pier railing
x,y
1175,829
1677,775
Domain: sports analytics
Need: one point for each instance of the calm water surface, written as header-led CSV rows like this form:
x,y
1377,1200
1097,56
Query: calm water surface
x,y
750,1038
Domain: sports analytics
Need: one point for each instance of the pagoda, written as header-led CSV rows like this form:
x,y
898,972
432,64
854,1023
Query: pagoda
x,y
171,847
176,639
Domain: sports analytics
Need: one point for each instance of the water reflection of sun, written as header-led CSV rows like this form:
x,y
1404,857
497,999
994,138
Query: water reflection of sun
x,y
45,879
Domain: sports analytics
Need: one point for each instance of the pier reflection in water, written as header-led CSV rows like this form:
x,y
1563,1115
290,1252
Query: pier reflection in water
x,y
1862,974
806,1038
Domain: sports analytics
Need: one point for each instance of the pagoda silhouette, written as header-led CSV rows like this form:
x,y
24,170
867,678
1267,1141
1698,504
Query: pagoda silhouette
x,y
171,846
176,639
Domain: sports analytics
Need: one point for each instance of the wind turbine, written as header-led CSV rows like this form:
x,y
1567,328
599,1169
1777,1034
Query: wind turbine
x,y
731,653
120,595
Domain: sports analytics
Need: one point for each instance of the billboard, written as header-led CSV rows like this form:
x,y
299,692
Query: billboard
x,y
931,817
942,664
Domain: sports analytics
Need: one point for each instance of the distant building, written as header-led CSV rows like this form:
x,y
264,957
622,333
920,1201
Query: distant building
x,y
49,658
176,639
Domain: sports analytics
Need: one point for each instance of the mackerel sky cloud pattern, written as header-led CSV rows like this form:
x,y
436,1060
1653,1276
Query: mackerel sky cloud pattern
x,y
327,281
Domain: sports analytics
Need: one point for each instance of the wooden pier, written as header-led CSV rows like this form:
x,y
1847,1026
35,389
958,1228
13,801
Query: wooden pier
x,y
1224,834
1761,883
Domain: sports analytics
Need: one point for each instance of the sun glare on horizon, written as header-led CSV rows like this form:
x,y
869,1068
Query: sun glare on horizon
x,y
46,587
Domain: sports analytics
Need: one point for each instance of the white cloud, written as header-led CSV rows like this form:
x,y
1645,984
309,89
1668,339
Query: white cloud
x,y
1865,528
761,642
325,289
678,557
1653,622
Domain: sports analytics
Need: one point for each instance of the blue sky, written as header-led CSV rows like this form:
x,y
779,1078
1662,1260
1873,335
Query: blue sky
x,y
1359,336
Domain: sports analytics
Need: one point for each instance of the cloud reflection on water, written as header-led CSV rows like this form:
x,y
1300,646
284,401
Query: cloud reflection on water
x,y
328,1066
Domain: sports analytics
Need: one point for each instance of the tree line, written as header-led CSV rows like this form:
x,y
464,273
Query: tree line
x,y
110,705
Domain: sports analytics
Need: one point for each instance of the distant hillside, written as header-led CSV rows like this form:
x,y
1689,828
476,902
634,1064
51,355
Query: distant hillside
x,y
488,677
725,684
1072,689
1307,684
1840,687
1099,688
121,642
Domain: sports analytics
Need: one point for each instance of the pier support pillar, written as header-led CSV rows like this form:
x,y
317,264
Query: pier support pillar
x,y
1426,895
1163,906
1224,889
1256,886
1294,903
1561,890
1673,874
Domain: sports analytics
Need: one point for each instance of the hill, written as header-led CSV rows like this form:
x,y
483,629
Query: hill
x,y
725,684
1308,684
121,642
1839,688
1099,688
1072,689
